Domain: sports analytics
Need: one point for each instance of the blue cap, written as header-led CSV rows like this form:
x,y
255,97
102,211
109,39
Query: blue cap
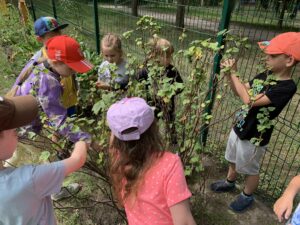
x,y
47,24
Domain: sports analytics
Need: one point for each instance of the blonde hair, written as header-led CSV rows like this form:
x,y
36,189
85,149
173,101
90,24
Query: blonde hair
x,y
112,41
161,47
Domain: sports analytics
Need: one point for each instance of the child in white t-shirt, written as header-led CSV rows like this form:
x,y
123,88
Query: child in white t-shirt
x,y
112,71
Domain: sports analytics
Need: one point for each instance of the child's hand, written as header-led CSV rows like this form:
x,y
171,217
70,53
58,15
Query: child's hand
x,y
102,85
283,208
85,144
231,64
62,84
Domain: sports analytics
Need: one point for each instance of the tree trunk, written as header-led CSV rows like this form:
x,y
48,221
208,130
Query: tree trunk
x,y
281,17
134,7
180,13
23,11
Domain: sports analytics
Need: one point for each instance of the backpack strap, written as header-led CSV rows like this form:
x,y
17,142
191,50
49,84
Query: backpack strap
x,y
23,77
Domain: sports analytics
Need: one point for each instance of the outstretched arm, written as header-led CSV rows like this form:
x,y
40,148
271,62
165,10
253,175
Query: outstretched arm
x,y
241,89
284,205
77,158
181,213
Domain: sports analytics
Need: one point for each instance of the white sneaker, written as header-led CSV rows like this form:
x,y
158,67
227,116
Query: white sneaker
x,y
66,192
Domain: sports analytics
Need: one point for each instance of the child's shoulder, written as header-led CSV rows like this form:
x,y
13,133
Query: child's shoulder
x,y
23,172
165,163
169,158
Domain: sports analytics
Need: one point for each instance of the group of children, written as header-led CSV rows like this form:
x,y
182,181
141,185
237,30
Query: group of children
x,y
148,181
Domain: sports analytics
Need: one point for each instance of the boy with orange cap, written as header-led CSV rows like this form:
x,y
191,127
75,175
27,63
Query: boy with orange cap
x,y
247,143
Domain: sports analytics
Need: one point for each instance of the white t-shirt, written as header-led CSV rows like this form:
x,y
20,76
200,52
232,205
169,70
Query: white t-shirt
x,y
296,216
25,194
105,73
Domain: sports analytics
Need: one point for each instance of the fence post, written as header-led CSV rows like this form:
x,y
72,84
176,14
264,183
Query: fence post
x,y
228,6
33,10
54,9
97,30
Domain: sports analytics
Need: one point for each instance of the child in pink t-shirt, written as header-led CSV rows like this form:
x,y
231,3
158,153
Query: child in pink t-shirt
x,y
148,181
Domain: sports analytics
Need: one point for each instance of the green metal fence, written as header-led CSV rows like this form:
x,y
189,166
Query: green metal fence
x,y
257,20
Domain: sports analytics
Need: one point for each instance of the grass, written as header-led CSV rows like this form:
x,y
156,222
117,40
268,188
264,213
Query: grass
x,y
5,71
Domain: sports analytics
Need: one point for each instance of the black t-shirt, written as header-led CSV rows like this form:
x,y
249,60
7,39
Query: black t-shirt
x,y
279,94
170,72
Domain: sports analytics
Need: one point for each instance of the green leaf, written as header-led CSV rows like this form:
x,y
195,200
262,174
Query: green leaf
x,y
222,32
44,156
96,108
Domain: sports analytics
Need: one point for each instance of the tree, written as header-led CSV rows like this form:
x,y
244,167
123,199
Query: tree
x,y
134,7
180,13
281,16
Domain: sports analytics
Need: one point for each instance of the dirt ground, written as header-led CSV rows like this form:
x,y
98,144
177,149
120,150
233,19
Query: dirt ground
x,y
216,208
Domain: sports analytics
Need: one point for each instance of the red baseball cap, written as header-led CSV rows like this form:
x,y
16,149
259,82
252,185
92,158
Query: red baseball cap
x,y
287,43
67,50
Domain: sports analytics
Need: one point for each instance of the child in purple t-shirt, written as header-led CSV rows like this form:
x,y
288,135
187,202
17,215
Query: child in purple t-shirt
x,y
64,59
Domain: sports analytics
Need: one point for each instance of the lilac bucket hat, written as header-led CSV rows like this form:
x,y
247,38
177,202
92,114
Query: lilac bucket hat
x,y
129,113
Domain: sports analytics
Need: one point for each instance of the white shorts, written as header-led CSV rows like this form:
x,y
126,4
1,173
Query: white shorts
x,y
245,155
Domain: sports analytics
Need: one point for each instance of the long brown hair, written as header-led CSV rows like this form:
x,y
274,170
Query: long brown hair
x,y
130,160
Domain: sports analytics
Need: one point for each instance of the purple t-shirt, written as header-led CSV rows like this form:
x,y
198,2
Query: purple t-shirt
x,y
45,85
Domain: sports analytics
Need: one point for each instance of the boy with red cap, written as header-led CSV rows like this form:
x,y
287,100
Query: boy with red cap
x,y
247,143
25,191
64,59
45,28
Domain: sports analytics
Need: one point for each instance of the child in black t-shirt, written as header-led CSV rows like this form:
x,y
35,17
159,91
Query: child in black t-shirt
x,y
266,95
161,53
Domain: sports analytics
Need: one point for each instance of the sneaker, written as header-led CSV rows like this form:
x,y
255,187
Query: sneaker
x,y
222,186
66,192
241,203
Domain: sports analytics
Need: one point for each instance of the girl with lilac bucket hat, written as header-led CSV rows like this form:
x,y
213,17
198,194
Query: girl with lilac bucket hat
x,y
148,181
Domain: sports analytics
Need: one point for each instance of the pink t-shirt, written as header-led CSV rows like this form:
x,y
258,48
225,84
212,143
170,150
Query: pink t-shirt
x,y
164,186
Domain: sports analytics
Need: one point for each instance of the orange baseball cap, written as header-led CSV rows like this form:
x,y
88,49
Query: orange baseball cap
x,y
287,43
67,50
